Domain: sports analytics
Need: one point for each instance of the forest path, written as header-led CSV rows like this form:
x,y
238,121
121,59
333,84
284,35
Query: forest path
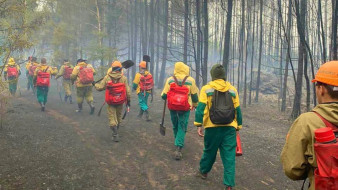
x,y
61,149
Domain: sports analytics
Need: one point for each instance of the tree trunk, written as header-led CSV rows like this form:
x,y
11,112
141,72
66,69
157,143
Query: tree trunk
x,y
252,50
152,36
226,46
198,43
165,44
206,43
260,51
334,29
186,28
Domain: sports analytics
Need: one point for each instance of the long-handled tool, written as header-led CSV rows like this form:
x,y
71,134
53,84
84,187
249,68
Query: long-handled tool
x,y
125,112
162,127
125,64
239,151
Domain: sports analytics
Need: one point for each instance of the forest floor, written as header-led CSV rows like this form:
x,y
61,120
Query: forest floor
x,y
61,149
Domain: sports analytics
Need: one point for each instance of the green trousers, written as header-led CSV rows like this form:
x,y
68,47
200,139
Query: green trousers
x,y
12,87
143,100
224,139
179,120
42,93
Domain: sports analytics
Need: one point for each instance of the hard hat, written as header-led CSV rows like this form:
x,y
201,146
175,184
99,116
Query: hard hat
x,y
328,73
116,64
143,64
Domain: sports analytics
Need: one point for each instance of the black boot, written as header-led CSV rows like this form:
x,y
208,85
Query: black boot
x,y
178,153
79,108
147,115
42,106
115,135
140,114
70,100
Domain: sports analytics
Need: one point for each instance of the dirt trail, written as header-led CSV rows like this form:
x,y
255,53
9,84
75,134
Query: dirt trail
x,y
61,149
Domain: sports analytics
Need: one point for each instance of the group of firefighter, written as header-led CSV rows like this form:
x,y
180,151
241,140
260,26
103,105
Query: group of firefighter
x,y
218,115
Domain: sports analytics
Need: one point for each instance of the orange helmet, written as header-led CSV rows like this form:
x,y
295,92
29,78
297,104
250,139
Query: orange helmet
x,y
116,64
328,73
143,64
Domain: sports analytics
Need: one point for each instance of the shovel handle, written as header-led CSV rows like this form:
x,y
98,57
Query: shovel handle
x,y
165,104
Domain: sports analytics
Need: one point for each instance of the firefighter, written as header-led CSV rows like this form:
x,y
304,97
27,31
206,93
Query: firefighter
x,y
41,80
143,84
31,70
28,64
11,74
66,71
180,107
220,136
83,75
298,157
117,93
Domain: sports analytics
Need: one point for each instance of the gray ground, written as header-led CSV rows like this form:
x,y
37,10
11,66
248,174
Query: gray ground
x,y
61,149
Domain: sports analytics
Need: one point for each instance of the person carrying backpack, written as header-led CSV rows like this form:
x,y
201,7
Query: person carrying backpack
x,y
11,74
298,155
84,73
41,79
219,113
117,94
181,92
31,70
65,71
143,84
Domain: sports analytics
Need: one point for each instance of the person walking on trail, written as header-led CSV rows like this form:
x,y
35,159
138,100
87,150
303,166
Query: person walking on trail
x,y
117,93
31,70
28,64
41,80
219,113
298,155
181,92
11,74
65,72
143,84
83,73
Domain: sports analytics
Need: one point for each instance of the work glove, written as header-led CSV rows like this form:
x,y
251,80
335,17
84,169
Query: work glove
x,y
128,103
93,83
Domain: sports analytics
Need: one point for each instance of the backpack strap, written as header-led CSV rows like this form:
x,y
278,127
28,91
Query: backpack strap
x,y
327,123
46,69
183,81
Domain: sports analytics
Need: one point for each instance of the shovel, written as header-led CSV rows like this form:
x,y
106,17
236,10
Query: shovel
x,y
162,127
125,112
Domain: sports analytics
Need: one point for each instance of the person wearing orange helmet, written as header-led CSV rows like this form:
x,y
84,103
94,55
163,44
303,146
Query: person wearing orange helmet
x,y
117,93
298,155
143,84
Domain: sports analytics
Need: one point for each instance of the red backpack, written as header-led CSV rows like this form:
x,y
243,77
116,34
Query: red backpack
x,y
67,72
326,175
146,82
86,75
12,72
116,93
43,78
32,70
178,96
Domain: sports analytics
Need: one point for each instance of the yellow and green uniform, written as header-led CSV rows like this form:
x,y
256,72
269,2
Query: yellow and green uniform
x,y
66,83
180,119
298,156
142,95
114,111
42,91
30,77
222,137
12,82
83,91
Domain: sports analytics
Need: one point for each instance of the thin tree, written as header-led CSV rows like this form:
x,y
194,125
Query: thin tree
x,y
226,46
260,51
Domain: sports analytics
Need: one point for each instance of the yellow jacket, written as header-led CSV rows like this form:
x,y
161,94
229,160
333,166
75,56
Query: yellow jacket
x,y
182,70
28,64
136,82
115,75
298,157
75,73
62,70
205,102
11,63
